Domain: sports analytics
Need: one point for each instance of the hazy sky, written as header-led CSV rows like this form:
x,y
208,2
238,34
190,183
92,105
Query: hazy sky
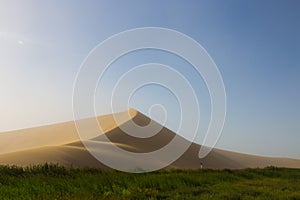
x,y
255,44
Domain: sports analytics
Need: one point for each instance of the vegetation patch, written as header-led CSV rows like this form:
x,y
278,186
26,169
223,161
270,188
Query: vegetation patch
x,y
50,181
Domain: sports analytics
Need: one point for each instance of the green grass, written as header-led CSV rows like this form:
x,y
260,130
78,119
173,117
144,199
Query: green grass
x,y
56,182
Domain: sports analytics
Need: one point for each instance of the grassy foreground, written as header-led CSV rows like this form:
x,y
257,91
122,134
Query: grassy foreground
x,y
56,182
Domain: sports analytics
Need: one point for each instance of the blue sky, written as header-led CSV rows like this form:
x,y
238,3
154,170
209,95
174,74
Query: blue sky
x,y
255,44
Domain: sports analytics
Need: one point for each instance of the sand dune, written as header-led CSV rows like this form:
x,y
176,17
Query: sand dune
x,y
59,143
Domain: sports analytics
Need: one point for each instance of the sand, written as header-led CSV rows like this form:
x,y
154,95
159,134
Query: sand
x,y
59,143
52,135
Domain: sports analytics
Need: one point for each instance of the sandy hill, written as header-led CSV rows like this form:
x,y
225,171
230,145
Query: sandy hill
x,y
59,143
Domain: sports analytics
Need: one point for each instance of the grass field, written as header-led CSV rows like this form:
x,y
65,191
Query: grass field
x,y
56,182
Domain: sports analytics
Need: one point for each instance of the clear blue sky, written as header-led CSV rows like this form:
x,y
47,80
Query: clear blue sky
x,y
255,44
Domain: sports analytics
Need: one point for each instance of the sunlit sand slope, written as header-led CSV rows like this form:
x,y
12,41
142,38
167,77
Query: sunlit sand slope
x,y
52,135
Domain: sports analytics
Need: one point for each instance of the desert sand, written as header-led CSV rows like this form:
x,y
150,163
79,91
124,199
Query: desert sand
x,y
60,143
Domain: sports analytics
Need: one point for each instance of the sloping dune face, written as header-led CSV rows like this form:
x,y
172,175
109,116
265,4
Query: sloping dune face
x,y
53,135
60,144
